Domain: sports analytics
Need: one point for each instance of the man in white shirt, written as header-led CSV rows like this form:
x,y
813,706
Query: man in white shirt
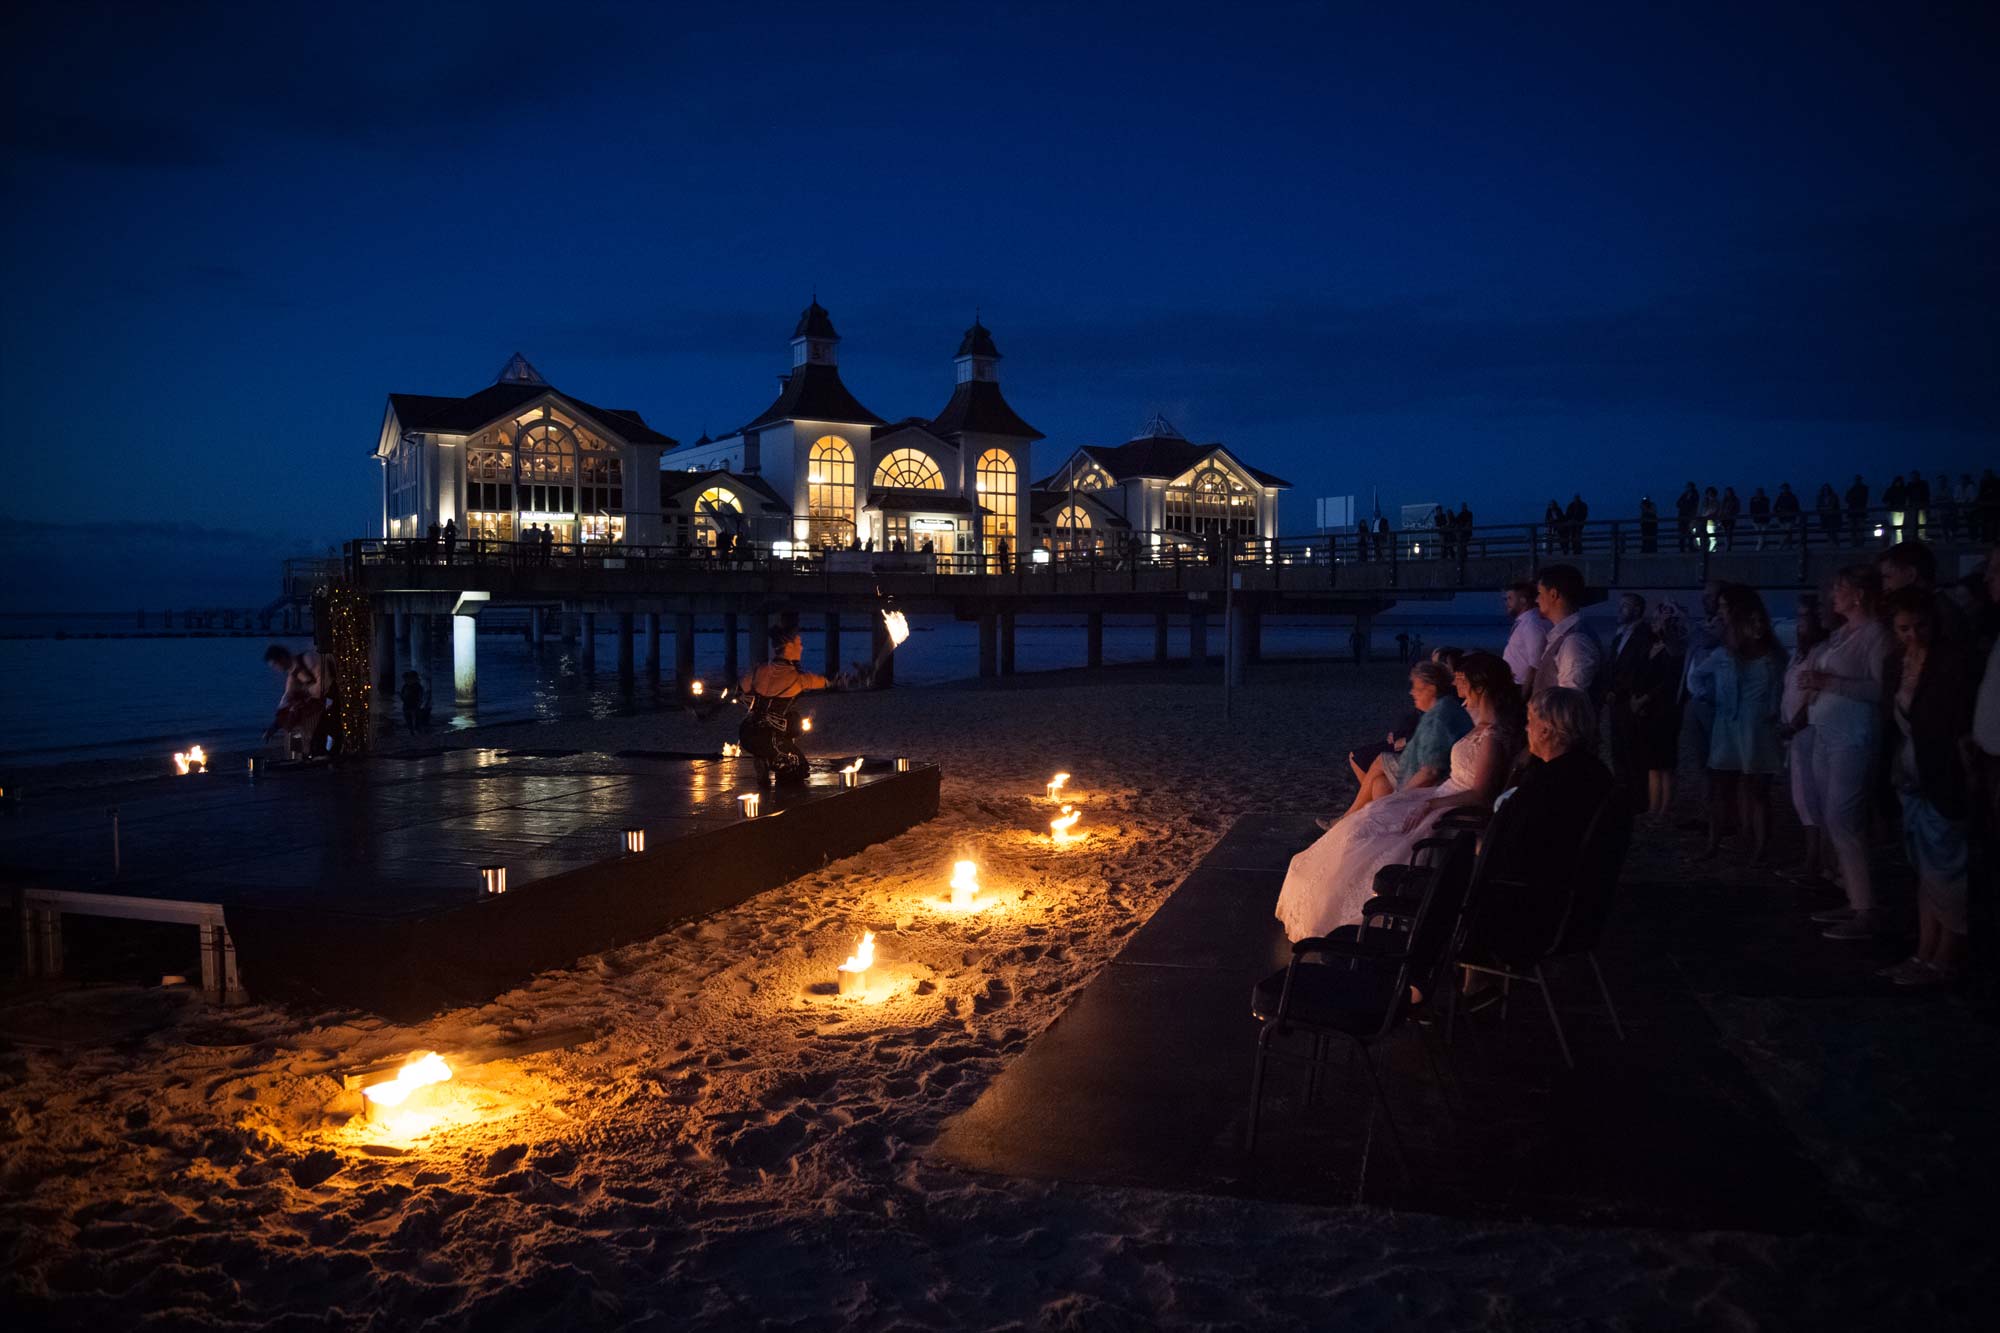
x,y
1530,632
1572,657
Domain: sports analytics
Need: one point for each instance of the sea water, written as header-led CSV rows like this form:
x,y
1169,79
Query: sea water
x,y
66,693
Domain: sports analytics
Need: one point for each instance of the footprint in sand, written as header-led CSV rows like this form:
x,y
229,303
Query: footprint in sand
x,y
996,995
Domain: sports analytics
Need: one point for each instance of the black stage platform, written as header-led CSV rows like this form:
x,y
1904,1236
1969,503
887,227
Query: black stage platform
x,y
360,883
1145,1080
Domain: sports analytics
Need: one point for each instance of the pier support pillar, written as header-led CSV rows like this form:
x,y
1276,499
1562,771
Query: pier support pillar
x,y
403,633
1198,637
589,633
569,626
1093,639
832,644
625,648
465,660
652,643
385,653
989,635
882,653
1364,637
420,646
683,649
1006,643
730,662
760,639
1161,622
538,625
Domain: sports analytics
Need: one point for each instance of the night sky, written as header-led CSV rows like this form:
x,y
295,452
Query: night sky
x,y
1486,252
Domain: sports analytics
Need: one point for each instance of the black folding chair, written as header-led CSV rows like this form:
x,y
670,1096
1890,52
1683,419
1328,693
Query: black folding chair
x,y
1363,992
1590,882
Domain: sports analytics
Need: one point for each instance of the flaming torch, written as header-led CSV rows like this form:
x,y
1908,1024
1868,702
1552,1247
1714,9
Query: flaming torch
x,y
965,886
192,760
1060,826
851,775
854,972
383,1099
1056,785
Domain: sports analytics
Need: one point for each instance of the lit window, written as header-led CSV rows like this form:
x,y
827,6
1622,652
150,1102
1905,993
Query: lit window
x,y
547,453
999,493
830,492
716,510
909,470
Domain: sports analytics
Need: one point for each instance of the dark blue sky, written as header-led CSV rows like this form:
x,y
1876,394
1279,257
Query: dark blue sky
x,y
1472,252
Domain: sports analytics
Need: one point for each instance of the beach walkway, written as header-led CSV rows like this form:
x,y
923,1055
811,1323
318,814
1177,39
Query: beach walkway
x,y
1144,1081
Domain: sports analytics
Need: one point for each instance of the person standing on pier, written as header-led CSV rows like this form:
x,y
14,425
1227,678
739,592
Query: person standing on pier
x,y
1687,508
431,540
450,539
1786,510
1649,526
1574,518
1828,506
1857,509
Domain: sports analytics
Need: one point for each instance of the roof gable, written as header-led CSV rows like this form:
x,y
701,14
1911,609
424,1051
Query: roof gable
x,y
813,392
1162,457
675,484
474,412
977,406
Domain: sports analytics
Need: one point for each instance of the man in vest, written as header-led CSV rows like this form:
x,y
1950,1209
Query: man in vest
x,y
1572,657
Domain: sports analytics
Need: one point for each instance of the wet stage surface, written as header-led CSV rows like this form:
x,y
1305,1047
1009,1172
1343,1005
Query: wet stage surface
x,y
384,852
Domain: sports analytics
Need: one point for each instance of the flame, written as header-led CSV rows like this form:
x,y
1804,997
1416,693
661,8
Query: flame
x,y
192,760
695,687
898,626
863,956
731,750
854,767
421,1071
1056,784
965,885
806,722
1060,826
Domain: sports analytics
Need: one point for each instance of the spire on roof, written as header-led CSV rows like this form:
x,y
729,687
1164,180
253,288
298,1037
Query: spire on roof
x,y
978,341
1159,428
814,322
518,371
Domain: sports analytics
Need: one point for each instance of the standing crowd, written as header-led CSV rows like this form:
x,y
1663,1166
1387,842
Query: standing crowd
x,y
1910,508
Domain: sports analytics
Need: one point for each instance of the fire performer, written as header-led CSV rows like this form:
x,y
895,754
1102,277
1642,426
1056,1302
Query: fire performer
x,y
771,733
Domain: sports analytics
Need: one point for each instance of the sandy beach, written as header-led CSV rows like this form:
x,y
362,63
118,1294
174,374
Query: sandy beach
x,y
726,1145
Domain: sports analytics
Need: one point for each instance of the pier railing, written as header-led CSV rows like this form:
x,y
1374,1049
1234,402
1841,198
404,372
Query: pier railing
x,y
1663,552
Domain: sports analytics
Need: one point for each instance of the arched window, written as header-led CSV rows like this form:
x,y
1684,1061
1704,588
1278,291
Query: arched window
x,y
909,470
830,492
547,453
716,510
1072,530
998,492
1209,501
489,480
1091,477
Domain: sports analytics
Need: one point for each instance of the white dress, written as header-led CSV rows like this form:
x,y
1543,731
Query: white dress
x,y
1328,881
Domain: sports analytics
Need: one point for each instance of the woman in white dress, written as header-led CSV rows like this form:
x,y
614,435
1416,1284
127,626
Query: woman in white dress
x,y
1330,880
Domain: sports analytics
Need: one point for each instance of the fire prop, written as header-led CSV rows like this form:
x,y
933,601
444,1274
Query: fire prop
x,y
965,886
854,972
385,1100
1056,784
1060,826
806,722
898,626
731,750
192,760
695,688
750,801
851,775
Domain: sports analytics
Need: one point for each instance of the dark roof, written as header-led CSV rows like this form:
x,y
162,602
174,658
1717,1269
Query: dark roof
x,y
673,483
937,502
815,323
814,393
976,405
978,341
919,424
1161,456
1042,505
462,416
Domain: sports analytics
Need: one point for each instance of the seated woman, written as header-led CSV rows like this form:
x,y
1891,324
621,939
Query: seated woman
x,y
1549,810
1330,880
1424,761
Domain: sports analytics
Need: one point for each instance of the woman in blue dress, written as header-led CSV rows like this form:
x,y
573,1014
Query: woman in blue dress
x,y
1745,751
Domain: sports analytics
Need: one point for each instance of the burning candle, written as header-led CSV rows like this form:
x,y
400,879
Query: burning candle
x,y
854,972
851,775
902,765
750,800
1060,826
1056,785
420,1072
493,878
731,750
191,760
694,687
965,886
635,840
806,722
